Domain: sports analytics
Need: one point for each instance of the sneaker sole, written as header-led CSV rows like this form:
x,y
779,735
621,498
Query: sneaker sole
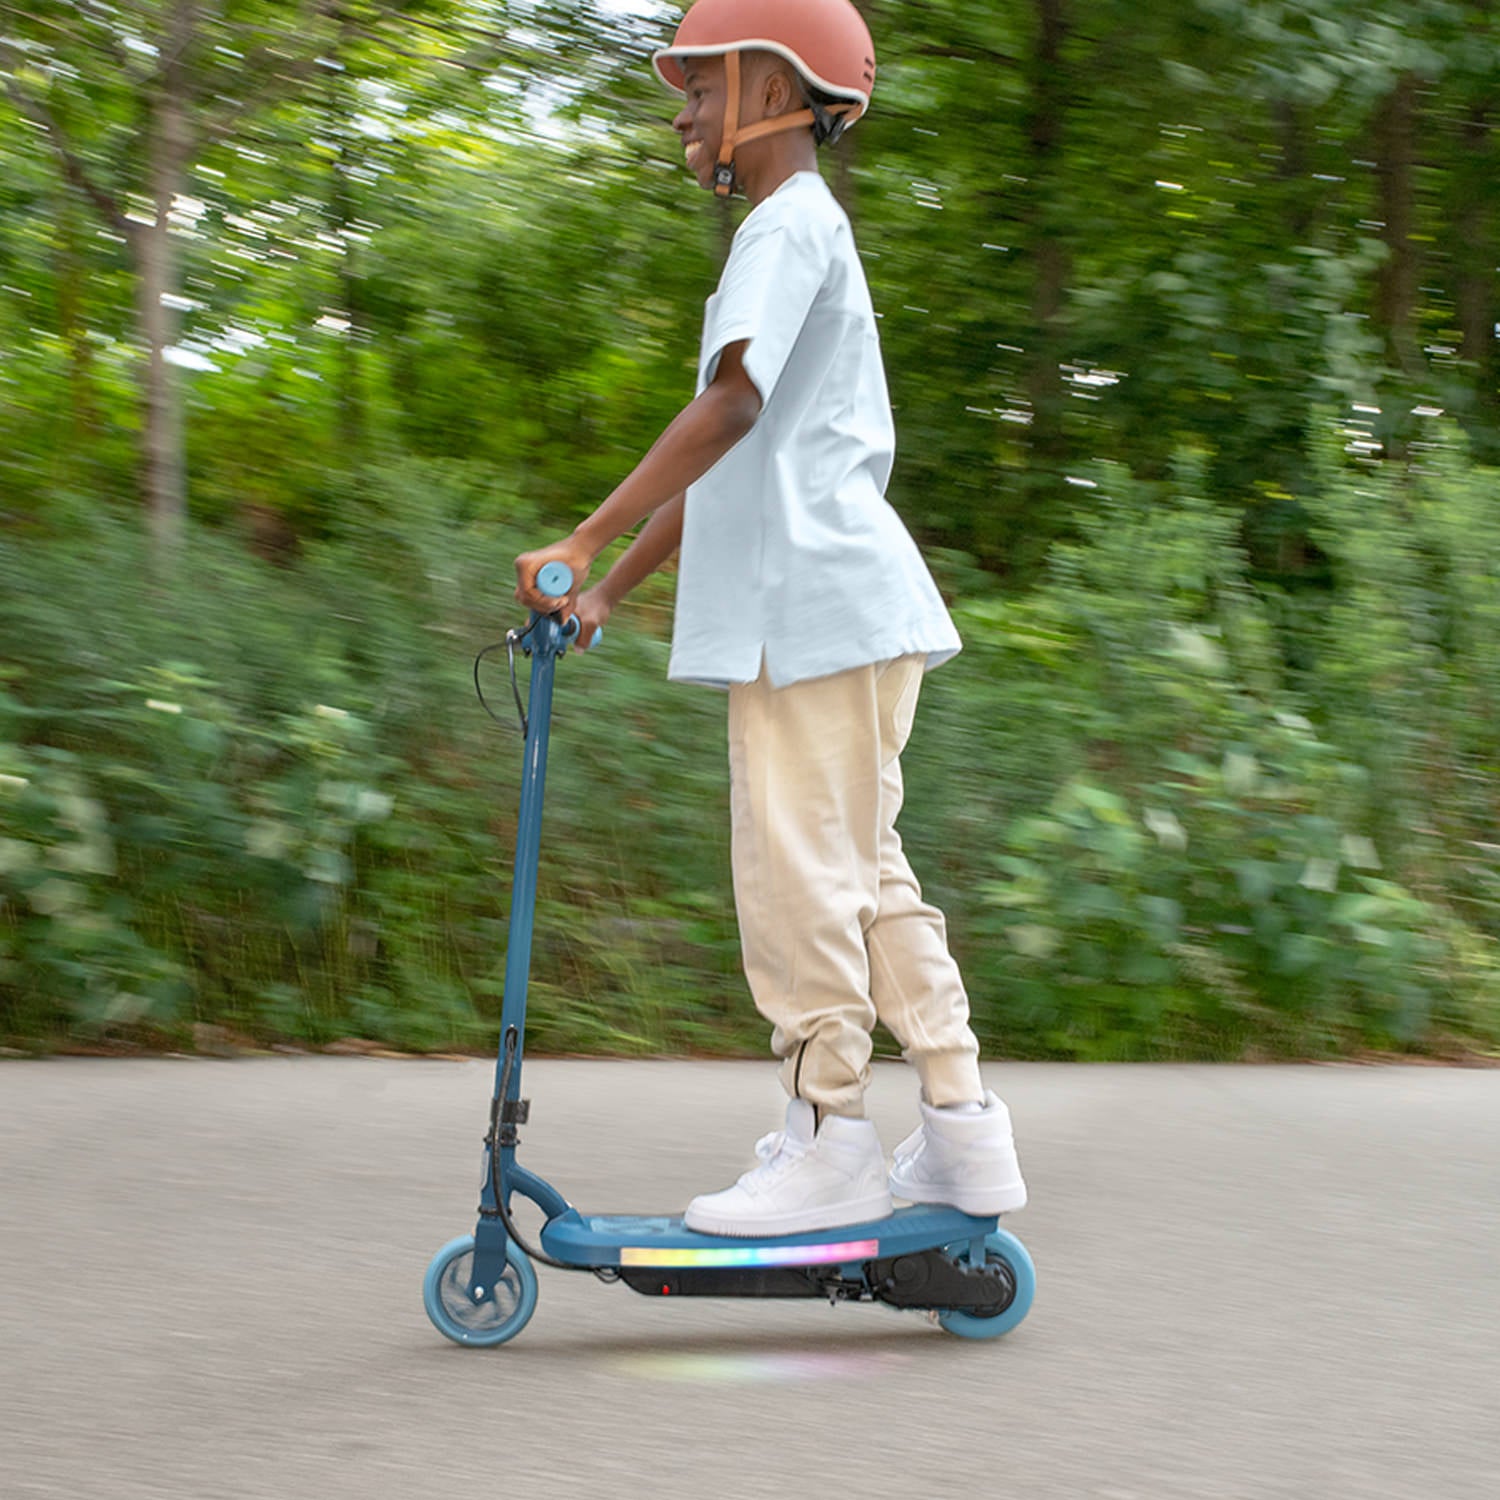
x,y
979,1201
829,1216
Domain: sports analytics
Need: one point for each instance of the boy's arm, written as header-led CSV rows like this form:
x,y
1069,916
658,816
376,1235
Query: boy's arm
x,y
695,440
660,537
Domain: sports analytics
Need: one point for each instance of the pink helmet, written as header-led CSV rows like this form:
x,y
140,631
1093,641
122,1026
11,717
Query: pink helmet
x,y
827,42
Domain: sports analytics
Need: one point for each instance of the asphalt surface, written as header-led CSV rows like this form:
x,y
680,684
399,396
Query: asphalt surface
x,y
1252,1282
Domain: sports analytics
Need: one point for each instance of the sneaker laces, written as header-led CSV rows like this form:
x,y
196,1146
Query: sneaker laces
x,y
777,1152
769,1146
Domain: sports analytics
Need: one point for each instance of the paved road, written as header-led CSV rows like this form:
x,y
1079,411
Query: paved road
x,y
1253,1282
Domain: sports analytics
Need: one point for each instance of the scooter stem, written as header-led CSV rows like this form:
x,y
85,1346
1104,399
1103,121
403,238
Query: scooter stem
x,y
544,640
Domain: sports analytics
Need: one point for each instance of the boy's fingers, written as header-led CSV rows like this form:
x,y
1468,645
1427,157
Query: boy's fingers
x,y
528,569
527,592
548,604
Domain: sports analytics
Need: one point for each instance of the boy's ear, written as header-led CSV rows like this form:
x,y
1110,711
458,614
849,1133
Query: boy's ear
x,y
780,92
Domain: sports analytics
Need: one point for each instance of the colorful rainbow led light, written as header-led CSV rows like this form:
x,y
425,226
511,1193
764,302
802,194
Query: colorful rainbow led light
x,y
751,1255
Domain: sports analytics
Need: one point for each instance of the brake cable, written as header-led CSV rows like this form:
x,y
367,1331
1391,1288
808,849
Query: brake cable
x,y
511,638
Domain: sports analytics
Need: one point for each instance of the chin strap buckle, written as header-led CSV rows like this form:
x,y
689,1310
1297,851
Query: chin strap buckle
x,y
828,125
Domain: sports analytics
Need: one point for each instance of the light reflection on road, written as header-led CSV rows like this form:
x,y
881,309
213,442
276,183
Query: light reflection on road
x,y
759,1369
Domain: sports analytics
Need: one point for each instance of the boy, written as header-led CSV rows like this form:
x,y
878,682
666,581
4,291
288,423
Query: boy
x,y
800,591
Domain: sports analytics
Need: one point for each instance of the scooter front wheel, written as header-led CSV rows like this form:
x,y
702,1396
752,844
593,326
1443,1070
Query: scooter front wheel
x,y
499,1315
1002,1249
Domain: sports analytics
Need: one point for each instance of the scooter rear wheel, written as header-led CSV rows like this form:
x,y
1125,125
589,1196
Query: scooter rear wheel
x,y
1006,1250
498,1317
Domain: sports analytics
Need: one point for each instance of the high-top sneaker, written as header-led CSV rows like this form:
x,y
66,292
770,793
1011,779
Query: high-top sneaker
x,y
808,1178
967,1160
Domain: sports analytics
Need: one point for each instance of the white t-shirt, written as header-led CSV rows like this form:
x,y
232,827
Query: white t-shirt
x,y
790,552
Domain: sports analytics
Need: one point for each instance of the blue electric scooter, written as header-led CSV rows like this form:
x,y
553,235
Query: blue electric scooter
x,y
964,1271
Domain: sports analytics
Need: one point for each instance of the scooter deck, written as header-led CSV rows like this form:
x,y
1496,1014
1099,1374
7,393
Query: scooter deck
x,y
628,1240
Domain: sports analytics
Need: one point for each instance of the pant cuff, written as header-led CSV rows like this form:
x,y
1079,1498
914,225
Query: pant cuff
x,y
948,1077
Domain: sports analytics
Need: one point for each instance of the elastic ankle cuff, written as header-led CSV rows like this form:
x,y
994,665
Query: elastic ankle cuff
x,y
949,1078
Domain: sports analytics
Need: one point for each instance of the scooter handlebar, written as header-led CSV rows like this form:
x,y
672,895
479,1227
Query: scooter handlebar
x,y
555,580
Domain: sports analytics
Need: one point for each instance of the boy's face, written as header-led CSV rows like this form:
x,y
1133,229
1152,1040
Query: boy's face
x,y
700,121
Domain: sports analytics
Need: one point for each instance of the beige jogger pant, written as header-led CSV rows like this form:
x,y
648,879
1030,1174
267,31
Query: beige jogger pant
x,y
833,927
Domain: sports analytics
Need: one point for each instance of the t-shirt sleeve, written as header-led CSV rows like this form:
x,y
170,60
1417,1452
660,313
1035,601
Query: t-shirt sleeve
x,y
774,272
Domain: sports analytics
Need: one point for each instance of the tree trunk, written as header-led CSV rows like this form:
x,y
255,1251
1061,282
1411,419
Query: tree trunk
x,y
163,476
158,276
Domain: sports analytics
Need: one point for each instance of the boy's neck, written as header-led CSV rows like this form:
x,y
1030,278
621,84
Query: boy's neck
x,y
777,158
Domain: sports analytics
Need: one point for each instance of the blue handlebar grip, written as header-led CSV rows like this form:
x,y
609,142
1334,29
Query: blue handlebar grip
x,y
554,579
574,628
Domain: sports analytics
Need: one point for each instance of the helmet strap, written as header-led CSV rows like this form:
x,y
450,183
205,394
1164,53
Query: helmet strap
x,y
724,168
825,121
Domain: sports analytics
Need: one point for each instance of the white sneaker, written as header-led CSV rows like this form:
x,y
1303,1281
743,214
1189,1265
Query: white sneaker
x,y
965,1160
806,1180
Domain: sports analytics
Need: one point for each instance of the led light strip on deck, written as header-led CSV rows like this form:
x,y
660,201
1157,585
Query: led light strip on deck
x,y
751,1255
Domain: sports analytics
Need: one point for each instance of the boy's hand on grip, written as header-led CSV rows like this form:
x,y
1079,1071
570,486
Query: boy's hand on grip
x,y
529,564
591,611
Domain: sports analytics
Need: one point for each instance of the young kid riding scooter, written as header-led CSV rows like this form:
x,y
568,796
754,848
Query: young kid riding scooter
x,y
972,1277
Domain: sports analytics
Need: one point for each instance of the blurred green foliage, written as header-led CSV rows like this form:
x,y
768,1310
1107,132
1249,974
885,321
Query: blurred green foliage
x,y
1190,317
270,801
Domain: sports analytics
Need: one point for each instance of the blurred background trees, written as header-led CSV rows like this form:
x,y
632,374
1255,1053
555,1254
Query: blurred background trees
x,y
312,312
